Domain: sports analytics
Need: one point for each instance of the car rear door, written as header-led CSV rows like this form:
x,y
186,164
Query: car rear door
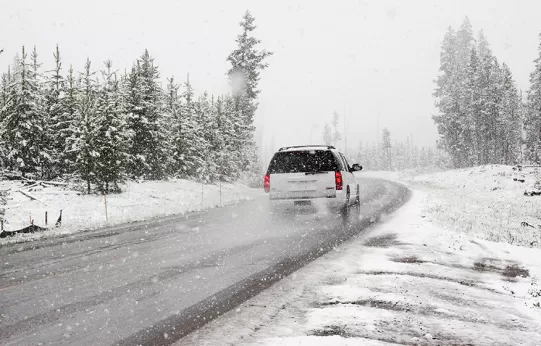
x,y
302,174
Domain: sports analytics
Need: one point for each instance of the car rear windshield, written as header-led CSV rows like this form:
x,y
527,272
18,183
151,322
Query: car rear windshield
x,y
303,162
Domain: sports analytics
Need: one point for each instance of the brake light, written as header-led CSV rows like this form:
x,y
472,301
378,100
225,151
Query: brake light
x,y
339,181
267,183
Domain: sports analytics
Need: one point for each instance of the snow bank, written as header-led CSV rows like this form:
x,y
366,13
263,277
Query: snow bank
x,y
408,281
486,201
138,201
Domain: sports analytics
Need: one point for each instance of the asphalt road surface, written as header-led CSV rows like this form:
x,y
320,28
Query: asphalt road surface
x,y
152,283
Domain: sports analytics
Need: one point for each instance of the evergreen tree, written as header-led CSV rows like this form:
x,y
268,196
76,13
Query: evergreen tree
x,y
205,126
247,62
337,136
473,120
6,85
178,143
22,120
149,156
464,44
192,147
510,125
447,97
5,106
327,134
83,142
112,136
54,107
67,125
360,154
533,113
44,137
386,146
475,97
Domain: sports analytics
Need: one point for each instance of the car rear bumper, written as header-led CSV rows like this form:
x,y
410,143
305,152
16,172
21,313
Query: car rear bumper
x,y
337,199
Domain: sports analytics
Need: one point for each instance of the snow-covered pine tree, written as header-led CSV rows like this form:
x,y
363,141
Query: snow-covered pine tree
x,y
44,138
423,158
336,136
22,123
470,95
327,134
464,43
6,103
493,113
217,146
232,160
360,155
446,95
386,146
132,101
15,68
149,155
510,124
465,120
453,122
54,108
247,62
190,146
533,113
4,93
177,140
82,143
67,124
473,125
113,138
205,125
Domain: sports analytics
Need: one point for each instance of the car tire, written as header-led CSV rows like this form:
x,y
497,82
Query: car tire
x,y
358,196
345,208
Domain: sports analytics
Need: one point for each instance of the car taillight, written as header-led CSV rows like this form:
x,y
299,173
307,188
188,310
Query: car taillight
x,y
339,181
267,183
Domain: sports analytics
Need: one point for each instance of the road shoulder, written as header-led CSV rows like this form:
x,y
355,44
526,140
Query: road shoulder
x,y
408,281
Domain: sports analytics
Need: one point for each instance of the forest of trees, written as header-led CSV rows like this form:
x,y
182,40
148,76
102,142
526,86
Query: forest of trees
x,y
102,127
398,155
482,117
387,155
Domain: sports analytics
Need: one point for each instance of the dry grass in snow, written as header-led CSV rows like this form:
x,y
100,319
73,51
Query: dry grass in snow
x,y
488,202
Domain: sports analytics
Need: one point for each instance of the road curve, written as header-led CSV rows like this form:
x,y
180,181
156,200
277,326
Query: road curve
x,y
152,283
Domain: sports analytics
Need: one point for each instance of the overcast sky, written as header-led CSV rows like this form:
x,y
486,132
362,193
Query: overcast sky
x,y
368,60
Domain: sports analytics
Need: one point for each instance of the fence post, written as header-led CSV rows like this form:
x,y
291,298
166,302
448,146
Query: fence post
x,y
105,202
220,192
45,218
202,186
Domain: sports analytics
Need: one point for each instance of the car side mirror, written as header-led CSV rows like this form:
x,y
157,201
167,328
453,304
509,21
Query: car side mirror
x,y
356,167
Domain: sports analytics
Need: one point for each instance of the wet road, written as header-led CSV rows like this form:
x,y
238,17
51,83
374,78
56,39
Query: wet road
x,y
153,282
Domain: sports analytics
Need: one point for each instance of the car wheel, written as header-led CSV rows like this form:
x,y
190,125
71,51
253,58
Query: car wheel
x,y
358,196
345,209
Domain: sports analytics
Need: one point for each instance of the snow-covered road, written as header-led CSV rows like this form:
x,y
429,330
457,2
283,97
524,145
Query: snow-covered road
x,y
154,282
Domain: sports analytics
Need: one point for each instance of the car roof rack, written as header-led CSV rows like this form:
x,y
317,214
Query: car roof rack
x,y
306,146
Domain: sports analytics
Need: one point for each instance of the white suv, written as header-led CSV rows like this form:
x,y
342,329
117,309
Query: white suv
x,y
301,175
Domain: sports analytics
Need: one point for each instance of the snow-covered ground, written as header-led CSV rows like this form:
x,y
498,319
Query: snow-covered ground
x,y
419,278
487,201
138,201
